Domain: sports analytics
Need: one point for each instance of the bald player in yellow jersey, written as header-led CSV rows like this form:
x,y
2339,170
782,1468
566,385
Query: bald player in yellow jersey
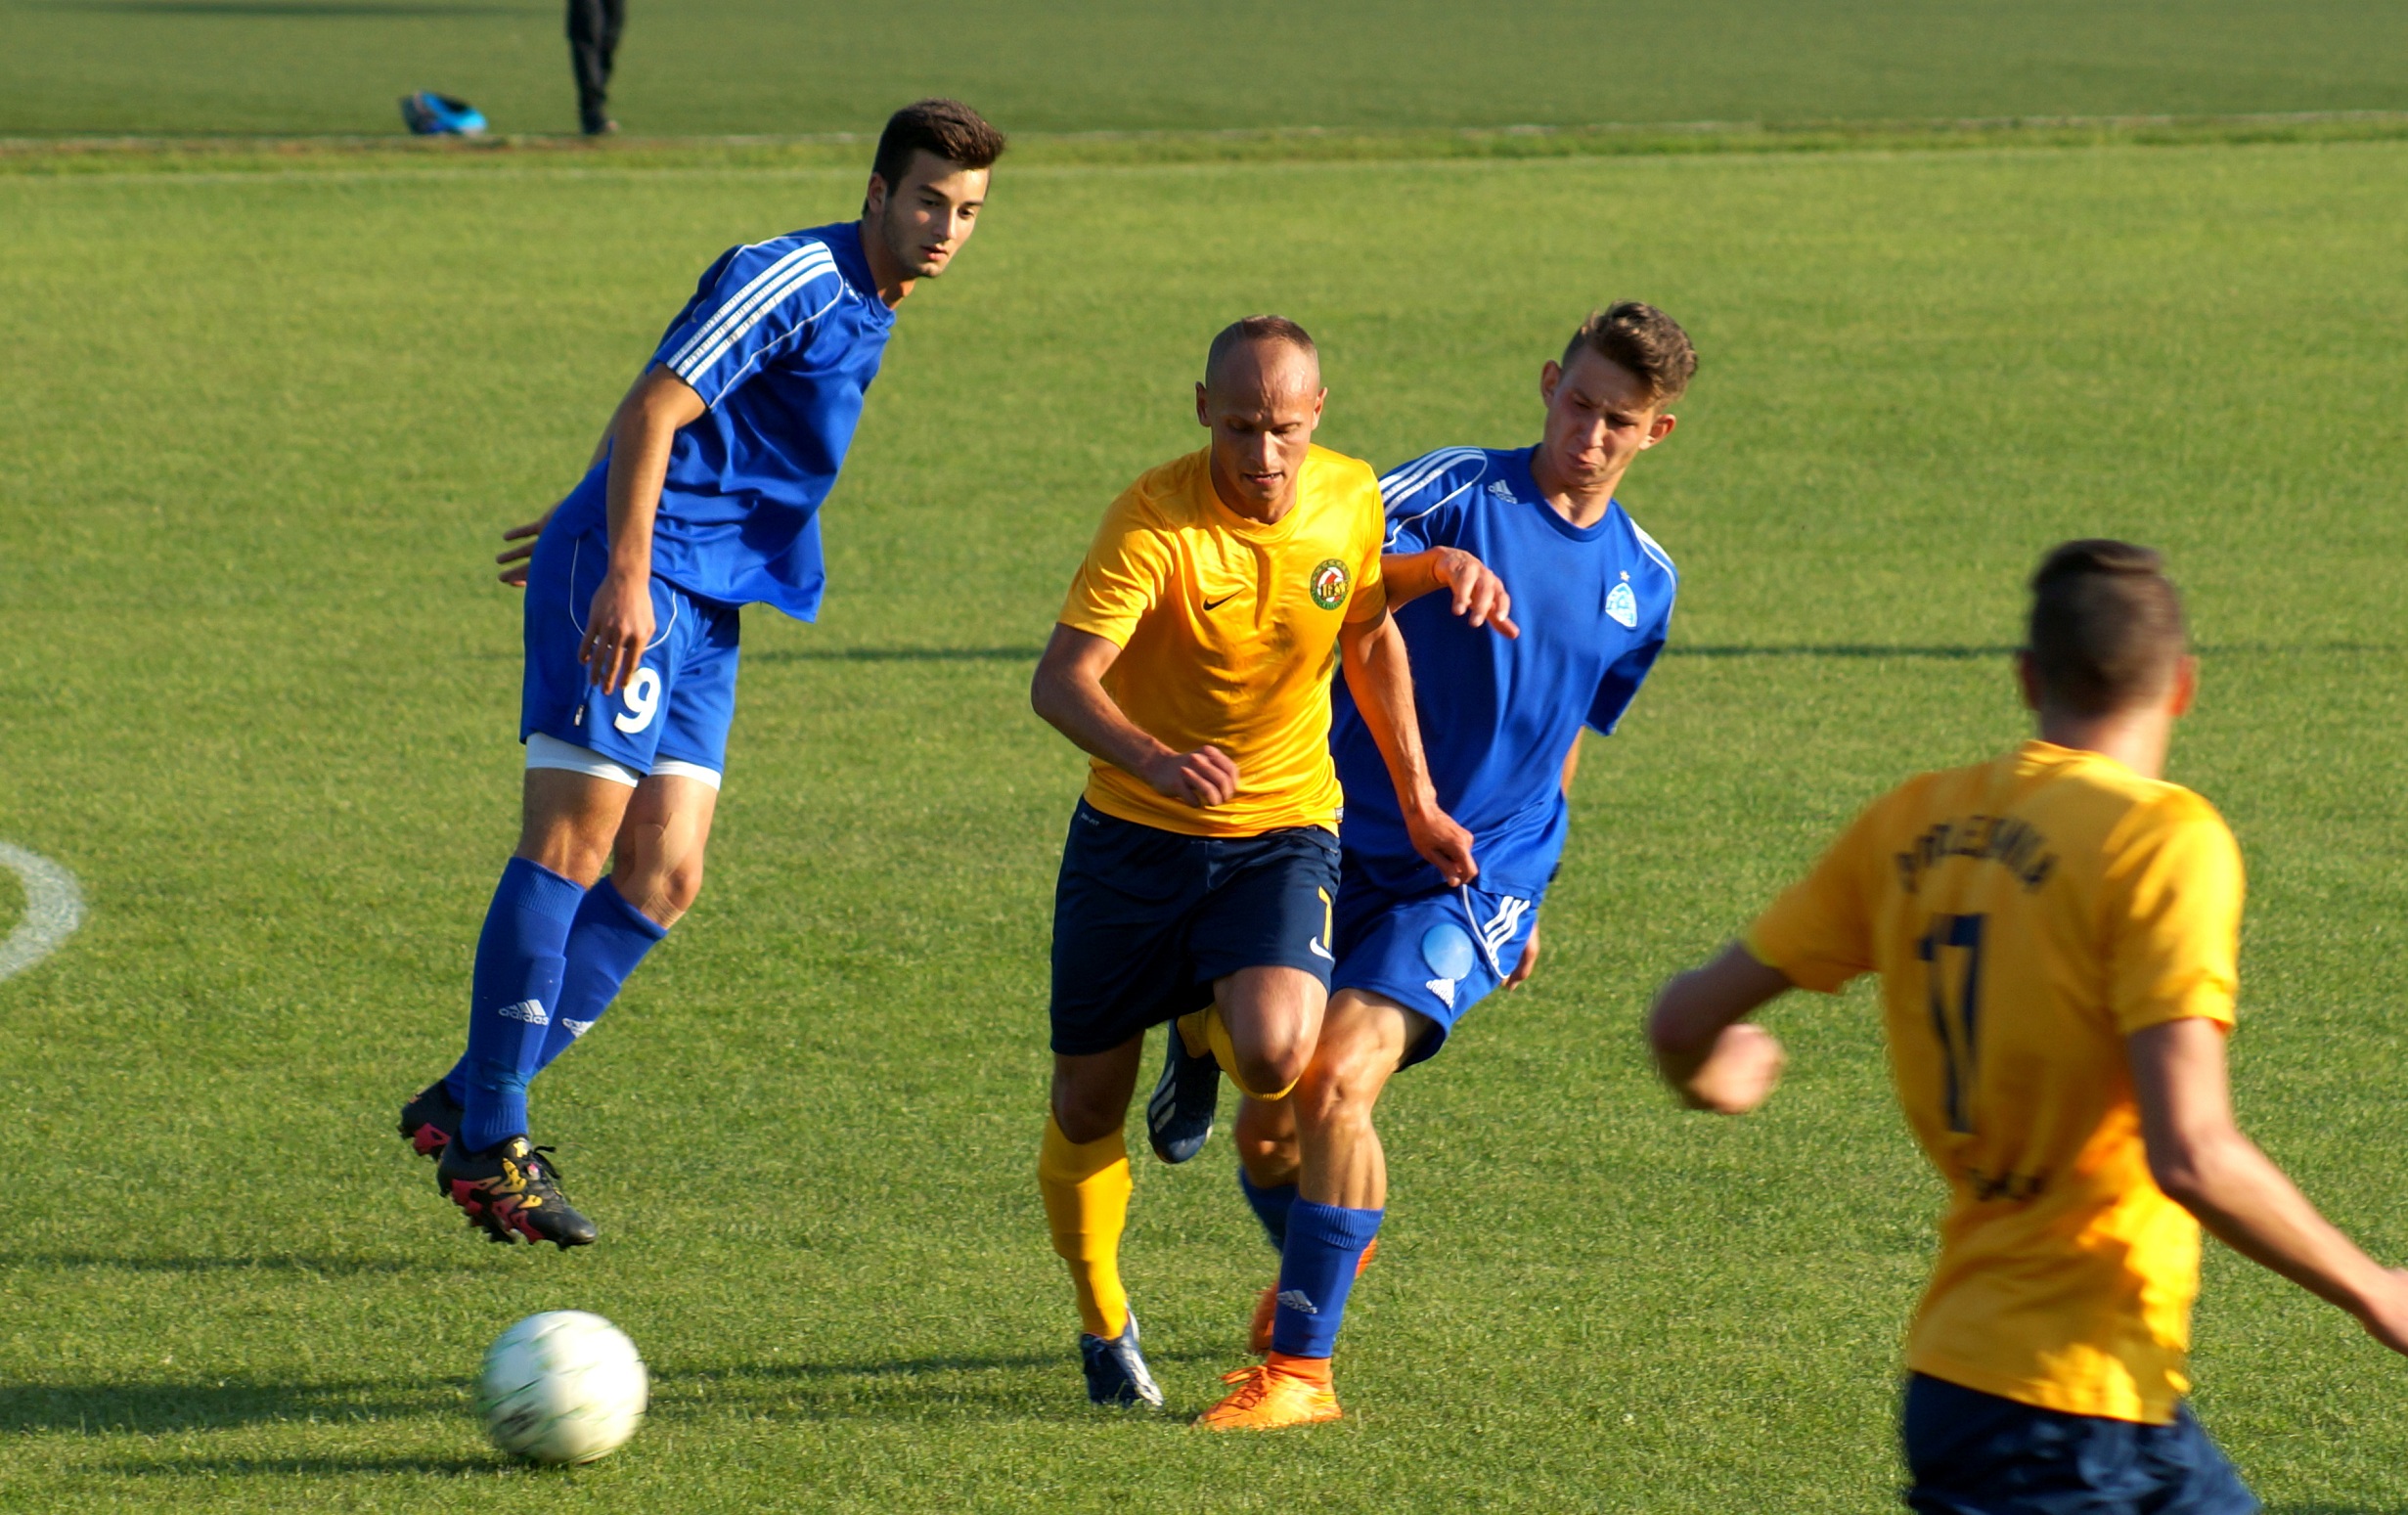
x,y
1192,661
2056,933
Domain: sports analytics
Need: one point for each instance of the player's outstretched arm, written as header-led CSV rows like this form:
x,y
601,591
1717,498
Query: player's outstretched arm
x,y
1478,593
1068,692
1381,678
1703,1045
2200,1158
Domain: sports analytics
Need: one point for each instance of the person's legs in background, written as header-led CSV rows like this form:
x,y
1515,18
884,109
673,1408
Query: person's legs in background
x,y
593,28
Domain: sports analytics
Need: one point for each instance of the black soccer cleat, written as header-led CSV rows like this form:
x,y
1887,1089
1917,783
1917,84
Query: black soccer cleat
x,y
510,1190
430,1120
1178,1117
1116,1373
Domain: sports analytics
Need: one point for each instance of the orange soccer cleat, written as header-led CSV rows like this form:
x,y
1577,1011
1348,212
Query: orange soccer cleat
x,y
1285,1391
1267,1308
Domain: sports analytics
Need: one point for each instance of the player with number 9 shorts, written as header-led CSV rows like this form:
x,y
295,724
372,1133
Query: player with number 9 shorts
x,y
702,498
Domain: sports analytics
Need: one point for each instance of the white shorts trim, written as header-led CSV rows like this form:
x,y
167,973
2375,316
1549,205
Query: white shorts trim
x,y
671,768
552,752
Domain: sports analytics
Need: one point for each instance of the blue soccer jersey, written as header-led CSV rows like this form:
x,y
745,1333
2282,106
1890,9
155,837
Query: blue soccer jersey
x,y
781,340
1497,716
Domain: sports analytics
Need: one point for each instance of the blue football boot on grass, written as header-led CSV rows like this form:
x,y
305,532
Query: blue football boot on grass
x,y
1178,1117
1116,1373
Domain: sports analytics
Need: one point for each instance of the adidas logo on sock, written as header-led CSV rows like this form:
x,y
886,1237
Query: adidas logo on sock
x,y
529,1010
1299,1301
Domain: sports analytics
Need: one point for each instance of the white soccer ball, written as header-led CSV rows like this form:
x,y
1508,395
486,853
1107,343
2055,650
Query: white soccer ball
x,y
562,1387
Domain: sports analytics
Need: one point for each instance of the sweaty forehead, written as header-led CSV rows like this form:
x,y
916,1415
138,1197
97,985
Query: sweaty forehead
x,y
1263,368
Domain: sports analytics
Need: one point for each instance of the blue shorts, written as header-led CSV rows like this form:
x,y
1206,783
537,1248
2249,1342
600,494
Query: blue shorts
x,y
1975,1454
1145,920
1439,954
677,705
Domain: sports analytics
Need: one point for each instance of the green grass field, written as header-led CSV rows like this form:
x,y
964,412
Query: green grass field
x,y
807,65
260,431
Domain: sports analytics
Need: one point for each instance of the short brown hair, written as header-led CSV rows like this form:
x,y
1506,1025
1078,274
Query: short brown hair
x,y
947,128
1259,329
2106,626
1636,336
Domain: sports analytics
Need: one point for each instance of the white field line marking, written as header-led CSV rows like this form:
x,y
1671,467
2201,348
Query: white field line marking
x,y
54,908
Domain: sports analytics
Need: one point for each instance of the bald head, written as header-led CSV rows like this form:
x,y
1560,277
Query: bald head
x,y
1263,355
1261,399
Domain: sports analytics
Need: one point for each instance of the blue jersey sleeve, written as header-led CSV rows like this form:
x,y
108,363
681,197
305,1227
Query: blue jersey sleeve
x,y
1416,495
1624,675
756,303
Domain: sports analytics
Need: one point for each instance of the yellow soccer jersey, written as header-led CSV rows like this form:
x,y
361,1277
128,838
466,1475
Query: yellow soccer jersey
x,y
2026,916
1229,634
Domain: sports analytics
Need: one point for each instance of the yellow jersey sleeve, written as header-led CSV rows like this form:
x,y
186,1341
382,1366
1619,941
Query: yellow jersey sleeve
x,y
1819,933
1127,572
2172,899
1371,600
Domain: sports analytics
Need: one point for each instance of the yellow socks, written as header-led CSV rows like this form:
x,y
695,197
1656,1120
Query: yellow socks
x,y
1205,1028
1086,1185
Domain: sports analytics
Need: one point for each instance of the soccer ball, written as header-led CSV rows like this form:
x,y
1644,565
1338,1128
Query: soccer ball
x,y
561,1387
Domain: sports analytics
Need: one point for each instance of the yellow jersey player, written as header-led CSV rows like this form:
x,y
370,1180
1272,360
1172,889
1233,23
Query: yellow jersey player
x,y
2056,933
1192,661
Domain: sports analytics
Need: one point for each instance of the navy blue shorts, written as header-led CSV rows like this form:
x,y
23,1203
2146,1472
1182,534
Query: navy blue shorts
x,y
1975,1454
676,707
1145,920
1439,954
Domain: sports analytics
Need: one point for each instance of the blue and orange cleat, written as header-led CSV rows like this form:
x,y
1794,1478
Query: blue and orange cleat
x,y
1116,1373
1283,1392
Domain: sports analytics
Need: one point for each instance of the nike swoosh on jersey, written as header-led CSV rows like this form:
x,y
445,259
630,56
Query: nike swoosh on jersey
x,y
1214,605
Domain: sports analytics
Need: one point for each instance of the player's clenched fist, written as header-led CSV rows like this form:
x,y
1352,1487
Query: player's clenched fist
x,y
1204,778
1739,1074
618,627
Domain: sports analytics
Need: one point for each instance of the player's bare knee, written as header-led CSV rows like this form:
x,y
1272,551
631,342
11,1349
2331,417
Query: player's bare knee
x,y
1337,1091
1085,1118
680,887
1277,1064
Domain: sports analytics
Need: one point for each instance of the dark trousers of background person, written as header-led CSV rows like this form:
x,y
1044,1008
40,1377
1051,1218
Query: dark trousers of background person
x,y
593,28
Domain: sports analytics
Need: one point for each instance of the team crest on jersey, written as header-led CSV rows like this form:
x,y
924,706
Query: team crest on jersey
x,y
1329,584
1623,605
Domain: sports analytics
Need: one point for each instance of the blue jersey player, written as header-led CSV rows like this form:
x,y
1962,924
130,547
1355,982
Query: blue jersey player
x,y
702,498
1531,607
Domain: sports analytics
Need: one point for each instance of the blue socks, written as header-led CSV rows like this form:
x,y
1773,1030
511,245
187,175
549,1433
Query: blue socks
x,y
1271,1207
577,961
519,963
1316,1271
606,942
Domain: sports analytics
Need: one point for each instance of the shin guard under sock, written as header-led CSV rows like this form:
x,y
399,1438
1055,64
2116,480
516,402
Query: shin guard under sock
x,y
1316,1271
1085,1188
517,983
1271,1205
606,942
